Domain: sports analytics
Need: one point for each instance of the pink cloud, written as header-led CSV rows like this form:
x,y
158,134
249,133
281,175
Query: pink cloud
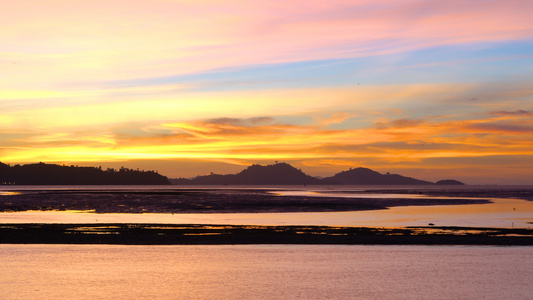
x,y
337,118
517,113
120,39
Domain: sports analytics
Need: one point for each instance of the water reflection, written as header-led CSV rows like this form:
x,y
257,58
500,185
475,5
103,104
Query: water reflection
x,y
500,213
7,193
264,272
359,194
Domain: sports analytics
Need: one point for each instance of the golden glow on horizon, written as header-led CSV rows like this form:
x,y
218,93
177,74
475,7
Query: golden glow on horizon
x,y
268,141
322,84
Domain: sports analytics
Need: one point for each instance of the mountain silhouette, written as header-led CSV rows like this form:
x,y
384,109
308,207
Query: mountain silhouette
x,y
277,174
51,174
285,174
364,176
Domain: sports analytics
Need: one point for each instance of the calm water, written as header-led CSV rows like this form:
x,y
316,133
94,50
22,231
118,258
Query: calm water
x,y
264,272
274,271
500,213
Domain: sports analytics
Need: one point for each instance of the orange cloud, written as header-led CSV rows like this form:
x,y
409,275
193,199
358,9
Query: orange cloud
x,y
238,141
262,137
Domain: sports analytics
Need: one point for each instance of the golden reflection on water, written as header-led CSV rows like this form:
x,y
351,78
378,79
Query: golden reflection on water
x,y
4,193
264,271
498,206
204,233
499,213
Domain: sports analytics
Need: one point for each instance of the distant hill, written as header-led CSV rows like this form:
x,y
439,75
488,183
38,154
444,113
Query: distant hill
x,y
50,174
364,176
449,182
277,174
285,174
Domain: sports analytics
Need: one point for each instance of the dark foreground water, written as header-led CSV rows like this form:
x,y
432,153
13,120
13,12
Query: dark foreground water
x,y
264,272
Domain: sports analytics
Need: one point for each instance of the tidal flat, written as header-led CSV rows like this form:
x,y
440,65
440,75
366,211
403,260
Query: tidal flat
x,y
223,200
346,215
194,234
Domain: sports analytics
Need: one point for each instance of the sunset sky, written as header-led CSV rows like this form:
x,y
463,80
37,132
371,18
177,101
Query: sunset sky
x,y
427,89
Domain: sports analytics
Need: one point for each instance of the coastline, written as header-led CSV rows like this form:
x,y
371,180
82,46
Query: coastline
x,y
372,204
210,201
196,234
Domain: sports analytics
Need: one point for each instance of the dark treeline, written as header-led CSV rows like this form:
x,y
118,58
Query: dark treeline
x,y
50,174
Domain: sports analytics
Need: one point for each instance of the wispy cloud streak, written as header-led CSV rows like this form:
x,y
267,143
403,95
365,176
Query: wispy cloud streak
x,y
320,83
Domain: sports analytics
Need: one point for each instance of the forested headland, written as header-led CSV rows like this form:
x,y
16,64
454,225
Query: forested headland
x,y
51,174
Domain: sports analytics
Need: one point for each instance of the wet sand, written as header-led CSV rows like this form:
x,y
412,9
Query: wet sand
x,y
167,234
208,201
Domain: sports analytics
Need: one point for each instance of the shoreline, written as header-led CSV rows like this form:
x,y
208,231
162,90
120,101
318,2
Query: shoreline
x,y
196,234
208,201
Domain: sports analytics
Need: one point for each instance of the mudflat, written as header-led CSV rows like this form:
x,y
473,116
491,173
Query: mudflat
x,y
214,201
243,200
165,234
